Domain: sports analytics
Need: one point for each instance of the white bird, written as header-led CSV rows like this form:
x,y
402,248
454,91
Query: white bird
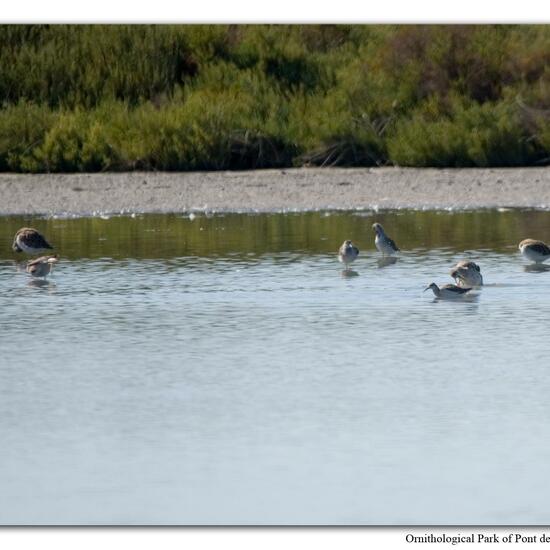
x,y
448,292
383,242
30,241
347,253
533,250
41,267
467,274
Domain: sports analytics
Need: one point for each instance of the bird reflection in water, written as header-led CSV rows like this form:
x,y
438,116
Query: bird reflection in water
x,y
536,268
385,261
42,284
348,273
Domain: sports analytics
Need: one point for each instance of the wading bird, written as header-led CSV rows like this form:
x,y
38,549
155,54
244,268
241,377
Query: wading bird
x,y
383,242
533,250
448,292
41,267
467,274
30,241
347,253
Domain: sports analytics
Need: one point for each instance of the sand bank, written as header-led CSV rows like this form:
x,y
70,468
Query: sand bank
x,y
274,190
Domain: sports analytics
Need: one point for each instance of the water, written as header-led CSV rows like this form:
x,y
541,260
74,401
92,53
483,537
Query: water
x,y
223,371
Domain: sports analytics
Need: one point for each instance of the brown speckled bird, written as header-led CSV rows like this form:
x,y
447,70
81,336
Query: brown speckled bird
x,y
533,250
30,241
467,274
347,253
41,267
384,244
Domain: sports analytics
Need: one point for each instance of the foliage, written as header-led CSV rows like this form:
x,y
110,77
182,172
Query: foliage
x,y
210,97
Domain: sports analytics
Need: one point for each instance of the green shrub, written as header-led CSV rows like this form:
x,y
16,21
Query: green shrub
x,y
484,135
211,97
22,129
82,65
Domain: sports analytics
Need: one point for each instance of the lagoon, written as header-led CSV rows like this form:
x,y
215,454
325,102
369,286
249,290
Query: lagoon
x,y
222,370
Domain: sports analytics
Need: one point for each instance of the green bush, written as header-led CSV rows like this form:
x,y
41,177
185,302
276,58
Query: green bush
x,y
82,65
211,97
22,130
484,135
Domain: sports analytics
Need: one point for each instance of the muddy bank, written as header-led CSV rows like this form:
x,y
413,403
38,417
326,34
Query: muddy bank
x,y
274,190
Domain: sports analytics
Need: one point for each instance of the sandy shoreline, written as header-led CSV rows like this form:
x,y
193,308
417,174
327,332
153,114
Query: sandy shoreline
x,y
298,189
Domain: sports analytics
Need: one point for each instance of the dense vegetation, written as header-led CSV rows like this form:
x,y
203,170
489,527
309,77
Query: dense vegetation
x,y
90,98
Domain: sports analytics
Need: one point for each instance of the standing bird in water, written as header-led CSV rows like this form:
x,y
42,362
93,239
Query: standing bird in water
x,y
467,274
536,251
347,253
383,242
30,241
447,292
41,267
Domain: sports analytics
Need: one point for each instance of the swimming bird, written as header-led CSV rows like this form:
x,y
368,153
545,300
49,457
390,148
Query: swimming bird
x,y
383,242
467,274
448,292
533,250
347,253
41,267
30,241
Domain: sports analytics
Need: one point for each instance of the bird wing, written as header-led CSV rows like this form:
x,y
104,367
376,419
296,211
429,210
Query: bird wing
x,y
471,265
40,260
540,247
393,245
34,239
461,269
457,289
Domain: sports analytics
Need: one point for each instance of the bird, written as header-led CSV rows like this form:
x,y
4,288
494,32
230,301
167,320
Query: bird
x,y
448,291
383,242
30,241
41,267
533,250
467,274
347,253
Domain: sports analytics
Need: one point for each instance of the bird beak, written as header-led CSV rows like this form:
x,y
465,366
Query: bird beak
x,y
427,288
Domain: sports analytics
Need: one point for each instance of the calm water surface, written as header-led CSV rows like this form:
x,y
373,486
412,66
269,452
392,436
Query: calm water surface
x,y
222,370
